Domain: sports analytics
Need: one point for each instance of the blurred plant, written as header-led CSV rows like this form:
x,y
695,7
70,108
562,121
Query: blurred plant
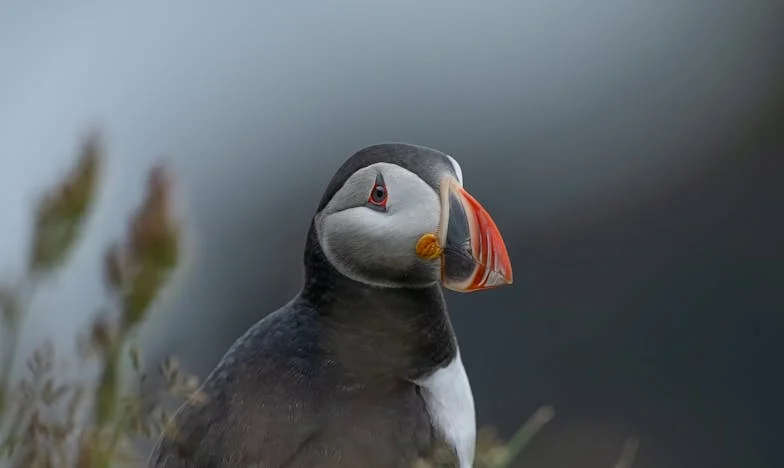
x,y
491,450
59,218
628,452
45,422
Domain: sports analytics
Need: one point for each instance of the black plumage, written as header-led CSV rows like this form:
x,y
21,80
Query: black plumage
x,y
326,380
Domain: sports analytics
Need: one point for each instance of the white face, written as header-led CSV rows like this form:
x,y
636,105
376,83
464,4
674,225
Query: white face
x,y
370,235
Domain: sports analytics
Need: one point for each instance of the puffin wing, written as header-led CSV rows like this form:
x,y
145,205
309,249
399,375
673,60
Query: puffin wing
x,y
254,408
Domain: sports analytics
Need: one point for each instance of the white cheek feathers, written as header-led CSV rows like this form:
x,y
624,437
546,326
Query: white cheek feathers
x,y
379,247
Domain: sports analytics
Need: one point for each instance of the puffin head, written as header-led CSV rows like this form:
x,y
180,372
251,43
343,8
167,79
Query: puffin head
x,y
397,215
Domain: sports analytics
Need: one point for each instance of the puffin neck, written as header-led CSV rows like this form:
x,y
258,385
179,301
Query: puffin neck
x,y
395,332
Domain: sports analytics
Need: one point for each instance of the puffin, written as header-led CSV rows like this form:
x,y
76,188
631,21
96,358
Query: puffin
x,y
361,368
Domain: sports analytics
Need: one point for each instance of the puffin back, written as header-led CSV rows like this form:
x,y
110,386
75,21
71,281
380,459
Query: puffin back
x,y
281,398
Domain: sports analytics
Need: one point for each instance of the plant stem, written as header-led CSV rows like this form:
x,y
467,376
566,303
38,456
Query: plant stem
x,y
9,356
106,404
628,453
525,434
18,304
8,364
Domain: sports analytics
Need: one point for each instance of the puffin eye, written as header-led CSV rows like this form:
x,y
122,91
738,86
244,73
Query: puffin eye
x,y
378,195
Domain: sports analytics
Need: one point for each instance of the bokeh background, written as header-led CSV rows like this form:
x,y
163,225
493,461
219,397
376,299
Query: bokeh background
x,y
631,153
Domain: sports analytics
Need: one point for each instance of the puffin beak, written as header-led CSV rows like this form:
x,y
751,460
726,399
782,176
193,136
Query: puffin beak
x,y
473,255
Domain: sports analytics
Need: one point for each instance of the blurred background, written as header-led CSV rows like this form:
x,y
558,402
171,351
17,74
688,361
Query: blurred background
x,y
630,152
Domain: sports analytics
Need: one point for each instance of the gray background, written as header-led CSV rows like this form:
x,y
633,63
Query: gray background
x,y
630,152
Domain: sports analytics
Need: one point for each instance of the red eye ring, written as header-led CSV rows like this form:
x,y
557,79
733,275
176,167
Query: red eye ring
x,y
378,196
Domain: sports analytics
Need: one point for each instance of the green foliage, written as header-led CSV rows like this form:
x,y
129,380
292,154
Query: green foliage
x,y
49,422
60,214
492,451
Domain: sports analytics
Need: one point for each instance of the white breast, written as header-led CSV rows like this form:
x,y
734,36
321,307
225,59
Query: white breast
x,y
450,403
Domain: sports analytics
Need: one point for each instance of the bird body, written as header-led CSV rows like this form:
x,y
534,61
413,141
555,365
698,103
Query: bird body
x,y
362,368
